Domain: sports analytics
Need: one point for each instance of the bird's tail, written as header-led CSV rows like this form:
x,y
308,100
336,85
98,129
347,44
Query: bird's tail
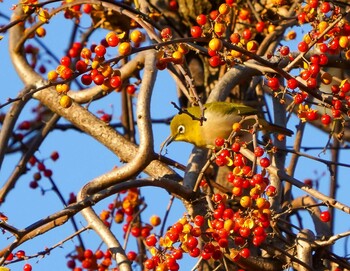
x,y
273,128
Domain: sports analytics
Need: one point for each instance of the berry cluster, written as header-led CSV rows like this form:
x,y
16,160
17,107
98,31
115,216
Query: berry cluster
x,y
92,66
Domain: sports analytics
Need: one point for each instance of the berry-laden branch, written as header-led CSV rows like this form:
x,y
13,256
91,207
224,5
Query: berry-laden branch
x,y
283,176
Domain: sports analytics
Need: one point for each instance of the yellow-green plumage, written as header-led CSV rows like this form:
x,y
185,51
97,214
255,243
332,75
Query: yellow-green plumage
x,y
220,116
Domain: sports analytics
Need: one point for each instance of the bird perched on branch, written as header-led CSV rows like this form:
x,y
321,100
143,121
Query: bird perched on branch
x,y
219,119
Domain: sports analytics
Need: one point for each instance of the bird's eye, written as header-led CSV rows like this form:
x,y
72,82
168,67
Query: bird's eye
x,y
181,129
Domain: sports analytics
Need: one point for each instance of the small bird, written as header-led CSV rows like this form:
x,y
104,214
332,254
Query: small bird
x,y
220,116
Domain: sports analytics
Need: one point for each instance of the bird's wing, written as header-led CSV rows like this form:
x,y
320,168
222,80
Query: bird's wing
x,y
231,108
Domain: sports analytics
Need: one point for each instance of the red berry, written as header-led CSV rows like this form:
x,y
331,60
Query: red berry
x,y
302,46
337,104
166,33
325,216
194,252
54,156
149,264
87,8
192,242
151,240
71,264
10,257
112,39
66,73
214,61
264,162
244,232
236,147
311,82
27,267
336,113
115,81
315,59
177,253
98,79
219,141
273,83
199,220
292,83
173,5
131,255
305,74
196,31
314,69
245,252
259,231
100,50
260,26
214,14
270,191
334,44
173,236
284,50
201,19
323,47
235,38
86,79
247,34
81,66
326,119
312,115
313,3
48,173
131,89
302,17
65,61
258,151
135,231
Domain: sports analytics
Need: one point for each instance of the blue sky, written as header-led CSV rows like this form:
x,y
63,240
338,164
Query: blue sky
x,y
82,159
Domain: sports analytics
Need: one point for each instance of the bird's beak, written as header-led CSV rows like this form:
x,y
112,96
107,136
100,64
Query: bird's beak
x,y
167,142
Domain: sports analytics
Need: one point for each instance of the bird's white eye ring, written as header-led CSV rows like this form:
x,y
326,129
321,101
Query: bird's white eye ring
x,y
181,129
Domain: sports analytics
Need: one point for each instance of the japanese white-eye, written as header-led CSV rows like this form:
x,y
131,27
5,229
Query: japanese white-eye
x,y
220,117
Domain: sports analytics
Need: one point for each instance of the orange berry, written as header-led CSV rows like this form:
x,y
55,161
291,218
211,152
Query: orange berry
x,y
85,53
344,42
125,48
224,9
66,101
137,36
260,202
236,127
322,26
155,220
40,32
215,44
246,201
271,28
52,75
183,48
178,57
219,29
62,88
252,46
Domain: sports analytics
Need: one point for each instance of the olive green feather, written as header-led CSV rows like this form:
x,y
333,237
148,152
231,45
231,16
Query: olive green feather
x,y
220,116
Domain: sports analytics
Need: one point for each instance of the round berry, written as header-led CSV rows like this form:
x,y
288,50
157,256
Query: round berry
x,y
264,162
325,216
196,31
100,50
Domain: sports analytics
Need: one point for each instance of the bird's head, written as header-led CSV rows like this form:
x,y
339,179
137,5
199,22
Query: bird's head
x,y
184,128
